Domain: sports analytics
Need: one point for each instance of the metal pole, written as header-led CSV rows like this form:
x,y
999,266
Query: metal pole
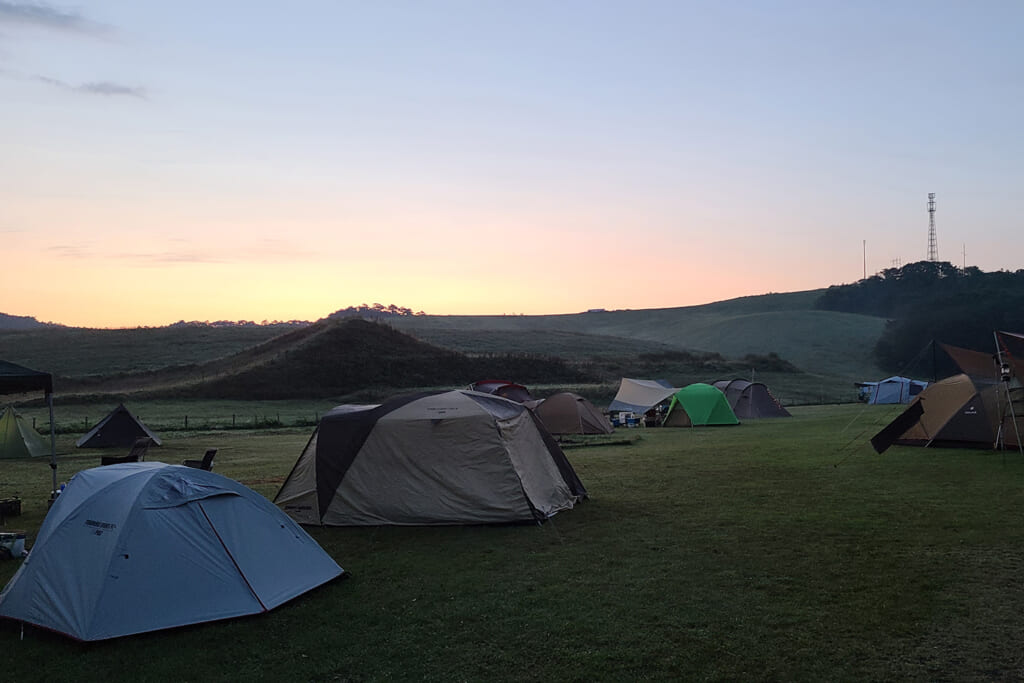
x,y
53,444
1009,398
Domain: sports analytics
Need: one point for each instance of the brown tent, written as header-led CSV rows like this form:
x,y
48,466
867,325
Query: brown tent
x,y
956,411
568,413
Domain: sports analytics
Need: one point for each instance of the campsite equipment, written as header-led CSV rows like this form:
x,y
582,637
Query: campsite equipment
x,y
568,413
455,457
12,544
146,546
18,439
699,404
119,429
136,454
750,399
206,463
9,507
15,379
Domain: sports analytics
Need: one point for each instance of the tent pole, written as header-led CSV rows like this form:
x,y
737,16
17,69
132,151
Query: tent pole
x,y
53,444
1005,379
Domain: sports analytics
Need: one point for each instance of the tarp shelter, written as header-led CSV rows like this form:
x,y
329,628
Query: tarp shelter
x,y
18,439
16,379
145,546
697,405
455,457
568,413
119,429
750,399
640,395
503,388
891,390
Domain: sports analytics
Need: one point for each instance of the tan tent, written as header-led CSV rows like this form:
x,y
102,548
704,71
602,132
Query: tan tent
x,y
456,457
568,413
956,411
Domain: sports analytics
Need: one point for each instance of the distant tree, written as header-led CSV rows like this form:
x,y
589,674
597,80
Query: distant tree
x,y
928,301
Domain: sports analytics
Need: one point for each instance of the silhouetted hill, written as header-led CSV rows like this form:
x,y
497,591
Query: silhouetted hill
x,y
812,354
21,322
337,358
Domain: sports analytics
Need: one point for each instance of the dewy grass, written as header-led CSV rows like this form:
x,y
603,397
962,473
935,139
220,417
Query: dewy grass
x,y
775,550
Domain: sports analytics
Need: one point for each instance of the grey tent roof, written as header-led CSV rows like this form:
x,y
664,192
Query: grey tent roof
x,y
455,457
750,399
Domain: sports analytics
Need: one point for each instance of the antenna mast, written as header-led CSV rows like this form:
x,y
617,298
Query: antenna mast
x,y
933,246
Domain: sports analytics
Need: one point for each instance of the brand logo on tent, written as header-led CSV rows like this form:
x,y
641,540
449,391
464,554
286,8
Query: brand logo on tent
x,y
100,527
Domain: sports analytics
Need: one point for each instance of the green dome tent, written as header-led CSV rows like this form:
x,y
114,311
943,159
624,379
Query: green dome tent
x,y
697,405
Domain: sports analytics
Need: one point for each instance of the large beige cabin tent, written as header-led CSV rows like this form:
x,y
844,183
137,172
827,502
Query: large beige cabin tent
x,y
456,457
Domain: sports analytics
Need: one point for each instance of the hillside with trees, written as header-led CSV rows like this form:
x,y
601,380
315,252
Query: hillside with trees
x,y
928,301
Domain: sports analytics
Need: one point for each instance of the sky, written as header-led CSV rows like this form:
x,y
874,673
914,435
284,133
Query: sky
x,y
280,161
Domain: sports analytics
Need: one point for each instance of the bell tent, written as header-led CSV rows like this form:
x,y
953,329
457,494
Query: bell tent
x,y
16,379
456,457
119,429
568,413
750,399
697,405
18,439
146,546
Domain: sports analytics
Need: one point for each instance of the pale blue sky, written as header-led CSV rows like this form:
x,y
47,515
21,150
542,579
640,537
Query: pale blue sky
x,y
257,161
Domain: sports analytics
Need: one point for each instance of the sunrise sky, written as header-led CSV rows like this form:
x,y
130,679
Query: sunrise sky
x,y
262,161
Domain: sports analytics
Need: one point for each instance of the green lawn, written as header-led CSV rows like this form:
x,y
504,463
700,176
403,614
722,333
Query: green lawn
x,y
775,550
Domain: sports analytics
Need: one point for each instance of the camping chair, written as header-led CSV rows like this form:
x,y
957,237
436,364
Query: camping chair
x,y
205,464
136,454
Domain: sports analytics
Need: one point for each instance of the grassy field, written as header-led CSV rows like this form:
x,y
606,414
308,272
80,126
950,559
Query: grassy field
x,y
775,550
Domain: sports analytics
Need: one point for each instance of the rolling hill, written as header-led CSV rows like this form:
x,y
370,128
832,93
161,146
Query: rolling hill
x,y
585,351
828,343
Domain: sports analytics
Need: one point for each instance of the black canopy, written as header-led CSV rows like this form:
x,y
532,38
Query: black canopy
x,y
15,379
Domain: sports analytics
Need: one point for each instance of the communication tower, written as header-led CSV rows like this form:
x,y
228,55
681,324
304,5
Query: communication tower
x,y
933,246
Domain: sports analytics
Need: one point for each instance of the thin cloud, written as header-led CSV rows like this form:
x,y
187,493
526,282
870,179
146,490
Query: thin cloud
x,y
265,251
47,16
105,88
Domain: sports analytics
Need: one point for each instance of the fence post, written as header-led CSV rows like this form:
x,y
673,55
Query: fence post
x,y
186,422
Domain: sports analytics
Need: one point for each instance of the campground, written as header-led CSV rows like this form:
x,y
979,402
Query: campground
x,y
780,549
